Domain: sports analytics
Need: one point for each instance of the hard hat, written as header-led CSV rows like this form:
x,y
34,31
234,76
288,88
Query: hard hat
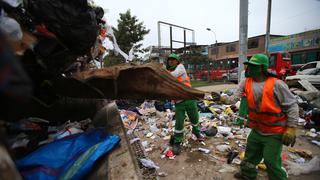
x,y
259,59
174,56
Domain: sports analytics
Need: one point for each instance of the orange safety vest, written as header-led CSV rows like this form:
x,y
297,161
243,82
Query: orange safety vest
x,y
269,118
185,81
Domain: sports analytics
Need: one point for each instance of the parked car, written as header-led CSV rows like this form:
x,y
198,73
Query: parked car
x,y
231,76
313,76
305,69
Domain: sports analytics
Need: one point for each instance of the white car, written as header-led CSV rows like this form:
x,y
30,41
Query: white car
x,y
305,69
231,76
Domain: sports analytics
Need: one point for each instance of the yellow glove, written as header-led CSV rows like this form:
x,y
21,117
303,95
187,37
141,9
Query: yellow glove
x,y
289,137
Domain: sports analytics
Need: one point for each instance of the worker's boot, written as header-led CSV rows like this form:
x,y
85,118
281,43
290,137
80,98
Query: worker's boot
x,y
240,176
176,148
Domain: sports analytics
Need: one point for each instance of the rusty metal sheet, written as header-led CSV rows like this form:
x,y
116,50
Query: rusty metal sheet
x,y
127,81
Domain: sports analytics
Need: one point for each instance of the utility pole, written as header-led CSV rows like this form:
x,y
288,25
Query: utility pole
x,y
216,50
159,36
267,40
243,35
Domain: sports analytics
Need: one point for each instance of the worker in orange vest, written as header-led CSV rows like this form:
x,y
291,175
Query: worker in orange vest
x,y
273,113
183,106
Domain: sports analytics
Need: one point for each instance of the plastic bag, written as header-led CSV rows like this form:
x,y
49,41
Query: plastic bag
x,y
297,169
149,164
68,158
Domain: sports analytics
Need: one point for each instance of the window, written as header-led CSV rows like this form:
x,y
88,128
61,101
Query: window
x,y
308,66
286,56
296,59
253,43
231,48
272,61
214,50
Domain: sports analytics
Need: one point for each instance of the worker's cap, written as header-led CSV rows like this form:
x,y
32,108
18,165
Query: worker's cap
x,y
258,59
174,56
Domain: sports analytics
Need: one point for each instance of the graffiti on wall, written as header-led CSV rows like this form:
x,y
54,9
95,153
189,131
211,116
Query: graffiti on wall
x,y
295,42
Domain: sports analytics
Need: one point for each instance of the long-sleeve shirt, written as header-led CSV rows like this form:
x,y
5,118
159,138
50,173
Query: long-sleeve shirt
x,y
180,70
282,97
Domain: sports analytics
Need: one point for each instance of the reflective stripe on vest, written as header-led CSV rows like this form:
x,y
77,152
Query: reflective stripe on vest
x,y
269,118
185,81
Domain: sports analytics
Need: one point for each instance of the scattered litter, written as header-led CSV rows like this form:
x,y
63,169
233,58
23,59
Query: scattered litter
x,y
301,152
149,135
297,169
223,148
169,154
211,132
231,155
134,140
300,160
149,164
224,130
316,142
241,155
162,174
207,151
227,169
311,134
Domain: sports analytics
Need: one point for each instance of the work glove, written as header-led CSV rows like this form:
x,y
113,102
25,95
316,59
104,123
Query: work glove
x,y
289,137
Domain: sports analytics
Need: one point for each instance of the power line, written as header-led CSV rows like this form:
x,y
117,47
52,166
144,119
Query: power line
x,y
299,14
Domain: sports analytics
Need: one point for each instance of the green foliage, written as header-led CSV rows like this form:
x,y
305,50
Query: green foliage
x,y
128,33
112,59
194,58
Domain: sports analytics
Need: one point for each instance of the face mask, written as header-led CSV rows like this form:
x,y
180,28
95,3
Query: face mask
x,y
253,71
171,68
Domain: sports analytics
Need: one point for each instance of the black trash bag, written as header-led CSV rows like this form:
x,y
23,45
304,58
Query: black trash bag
x,y
73,21
159,105
16,87
211,132
203,108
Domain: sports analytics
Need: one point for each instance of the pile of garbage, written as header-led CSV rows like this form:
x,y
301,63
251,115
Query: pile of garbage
x,y
152,123
69,149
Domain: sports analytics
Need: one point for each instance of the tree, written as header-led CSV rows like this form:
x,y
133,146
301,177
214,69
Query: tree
x,y
129,32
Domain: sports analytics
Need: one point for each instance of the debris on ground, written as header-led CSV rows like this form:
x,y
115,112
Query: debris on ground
x,y
225,140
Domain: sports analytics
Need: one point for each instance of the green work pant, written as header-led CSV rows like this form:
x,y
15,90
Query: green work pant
x,y
269,148
189,107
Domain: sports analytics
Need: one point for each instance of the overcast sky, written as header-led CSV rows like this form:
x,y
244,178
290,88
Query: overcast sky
x,y
222,16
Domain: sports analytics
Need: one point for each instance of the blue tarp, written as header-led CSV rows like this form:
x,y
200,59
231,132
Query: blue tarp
x,y
69,158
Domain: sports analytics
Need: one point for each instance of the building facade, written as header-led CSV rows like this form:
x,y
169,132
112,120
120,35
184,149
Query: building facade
x,y
225,55
304,47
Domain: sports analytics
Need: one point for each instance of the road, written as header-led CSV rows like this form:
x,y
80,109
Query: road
x,y
217,88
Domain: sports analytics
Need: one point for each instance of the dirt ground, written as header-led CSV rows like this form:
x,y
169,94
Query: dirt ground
x,y
192,164
217,88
